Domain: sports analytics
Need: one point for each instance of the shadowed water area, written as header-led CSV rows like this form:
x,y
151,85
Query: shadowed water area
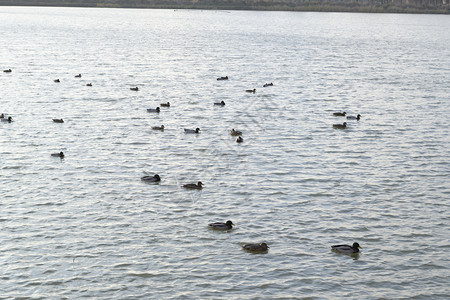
x,y
86,226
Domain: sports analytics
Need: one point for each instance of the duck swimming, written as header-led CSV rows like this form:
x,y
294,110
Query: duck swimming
x,y
340,126
165,104
197,130
9,119
268,84
223,78
221,103
262,247
239,139
354,118
7,71
156,110
346,248
60,154
58,120
251,91
197,186
221,226
158,127
78,76
235,132
339,114
56,80
154,178
134,89
88,84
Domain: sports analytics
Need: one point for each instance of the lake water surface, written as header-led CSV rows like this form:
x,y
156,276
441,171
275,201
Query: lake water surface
x,y
86,226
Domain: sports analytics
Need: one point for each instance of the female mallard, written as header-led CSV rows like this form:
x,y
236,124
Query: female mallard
x,y
339,114
235,132
346,248
340,126
262,247
165,104
158,127
221,103
134,89
221,226
60,154
58,120
156,110
197,186
354,118
154,178
197,130
239,139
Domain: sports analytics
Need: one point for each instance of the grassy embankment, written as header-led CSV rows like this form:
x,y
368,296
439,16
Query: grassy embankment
x,y
280,5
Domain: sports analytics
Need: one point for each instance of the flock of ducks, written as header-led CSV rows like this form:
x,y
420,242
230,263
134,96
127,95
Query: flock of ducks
x,y
228,225
343,114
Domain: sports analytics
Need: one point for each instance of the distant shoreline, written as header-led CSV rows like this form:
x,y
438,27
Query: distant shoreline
x,y
367,6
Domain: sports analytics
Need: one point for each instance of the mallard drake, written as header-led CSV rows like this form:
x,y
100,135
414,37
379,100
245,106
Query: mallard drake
x,y
262,247
235,132
60,154
268,84
58,120
56,80
165,104
346,248
156,110
158,127
134,89
339,114
197,130
78,76
354,118
239,139
223,78
340,126
8,119
197,186
88,84
221,103
7,71
221,226
154,178
251,91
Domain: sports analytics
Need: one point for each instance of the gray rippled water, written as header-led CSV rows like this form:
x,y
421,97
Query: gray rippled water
x,y
86,226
